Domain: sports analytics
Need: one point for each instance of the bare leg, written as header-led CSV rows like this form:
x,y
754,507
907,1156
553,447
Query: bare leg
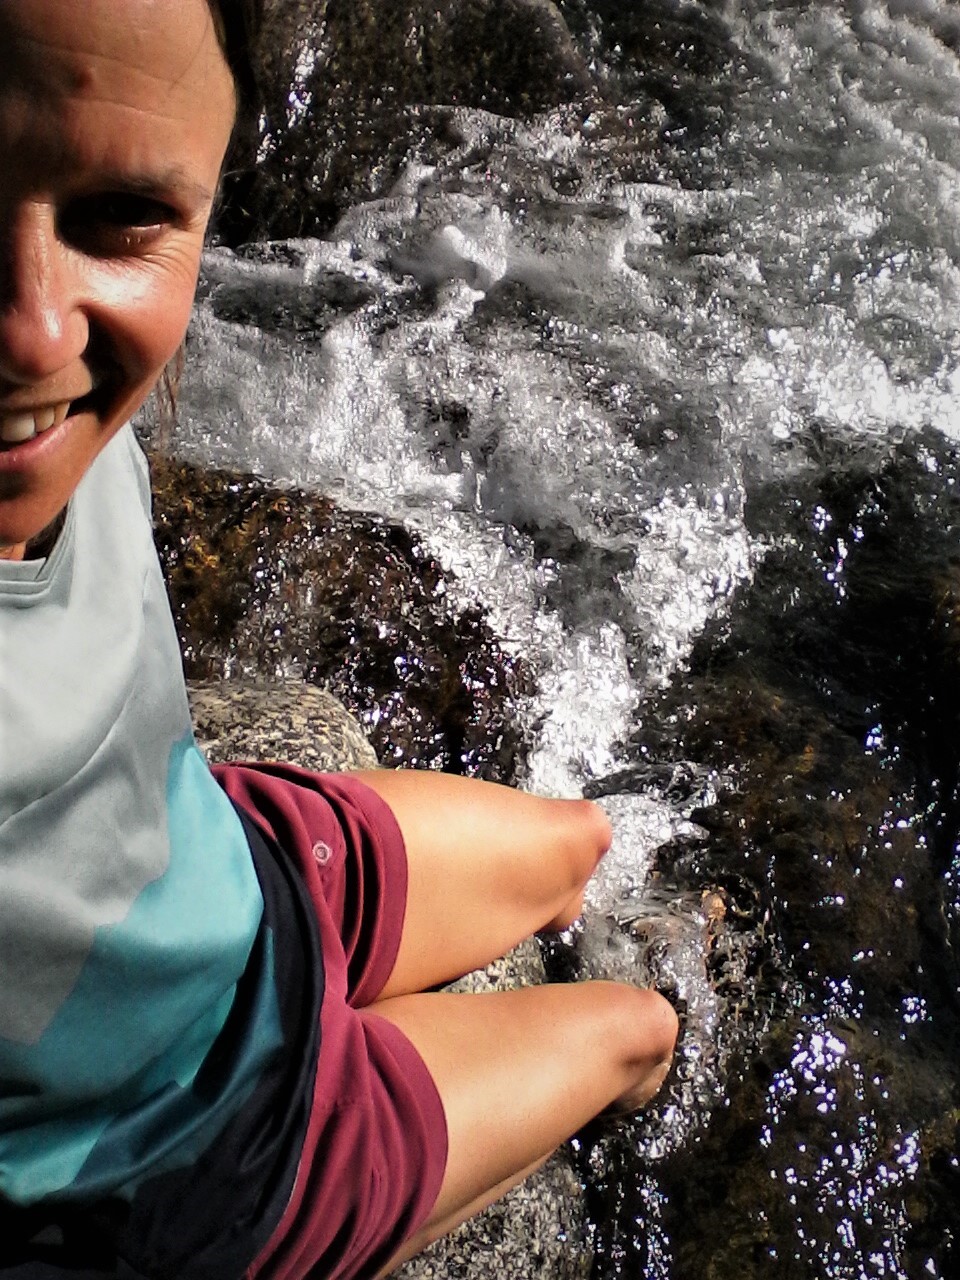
x,y
487,866
520,1071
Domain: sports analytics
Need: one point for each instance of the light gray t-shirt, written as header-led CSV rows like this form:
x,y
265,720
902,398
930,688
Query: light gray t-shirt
x,y
128,899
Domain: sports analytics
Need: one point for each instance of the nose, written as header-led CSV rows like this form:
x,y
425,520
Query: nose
x,y
43,327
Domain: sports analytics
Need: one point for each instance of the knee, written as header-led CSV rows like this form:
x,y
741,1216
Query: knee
x,y
642,1027
661,1028
580,837
632,1034
597,831
584,834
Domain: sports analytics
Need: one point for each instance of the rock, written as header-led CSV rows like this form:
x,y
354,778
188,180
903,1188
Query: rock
x,y
538,1228
350,90
283,720
500,55
266,581
535,1230
827,700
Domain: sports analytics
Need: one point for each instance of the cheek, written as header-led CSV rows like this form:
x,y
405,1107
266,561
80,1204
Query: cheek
x,y
145,320
157,333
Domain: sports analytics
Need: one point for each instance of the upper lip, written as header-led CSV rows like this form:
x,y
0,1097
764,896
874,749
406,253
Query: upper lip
x,y
11,411
8,408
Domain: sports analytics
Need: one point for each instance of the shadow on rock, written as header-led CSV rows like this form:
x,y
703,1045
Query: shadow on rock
x,y
348,89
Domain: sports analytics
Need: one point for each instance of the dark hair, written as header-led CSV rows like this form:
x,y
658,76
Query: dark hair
x,y
238,24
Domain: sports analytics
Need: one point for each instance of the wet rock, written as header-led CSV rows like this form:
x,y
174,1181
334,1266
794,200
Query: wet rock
x,y
350,91
828,704
837,722
302,302
672,47
274,583
678,65
830,1182
500,55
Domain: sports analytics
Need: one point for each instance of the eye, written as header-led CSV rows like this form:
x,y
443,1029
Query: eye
x,y
115,223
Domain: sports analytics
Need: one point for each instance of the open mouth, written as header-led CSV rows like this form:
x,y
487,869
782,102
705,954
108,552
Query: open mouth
x,y
18,428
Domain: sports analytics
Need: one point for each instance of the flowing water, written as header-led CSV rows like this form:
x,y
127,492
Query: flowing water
x,y
681,418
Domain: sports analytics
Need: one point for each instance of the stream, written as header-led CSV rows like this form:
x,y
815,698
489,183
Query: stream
x,y
678,408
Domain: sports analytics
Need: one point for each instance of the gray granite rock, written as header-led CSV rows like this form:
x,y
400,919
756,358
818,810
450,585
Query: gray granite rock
x,y
538,1228
284,720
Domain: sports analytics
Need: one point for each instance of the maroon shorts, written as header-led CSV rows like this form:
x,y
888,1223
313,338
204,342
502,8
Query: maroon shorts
x,y
376,1143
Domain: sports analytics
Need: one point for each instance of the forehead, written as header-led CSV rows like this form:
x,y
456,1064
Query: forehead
x,y
120,63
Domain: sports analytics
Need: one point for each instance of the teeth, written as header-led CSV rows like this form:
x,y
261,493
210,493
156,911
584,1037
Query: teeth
x,y
15,428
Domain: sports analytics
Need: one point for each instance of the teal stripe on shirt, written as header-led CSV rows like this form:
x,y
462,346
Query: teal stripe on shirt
x,y
153,995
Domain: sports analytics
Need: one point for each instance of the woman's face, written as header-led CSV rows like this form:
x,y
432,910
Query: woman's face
x,y
114,118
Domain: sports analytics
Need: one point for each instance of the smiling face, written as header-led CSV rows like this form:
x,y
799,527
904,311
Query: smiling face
x,y
112,133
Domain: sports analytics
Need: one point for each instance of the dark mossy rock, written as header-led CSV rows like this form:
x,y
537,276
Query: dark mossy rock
x,y
507,56
351,92
828,702
676,64
276,583
788,1166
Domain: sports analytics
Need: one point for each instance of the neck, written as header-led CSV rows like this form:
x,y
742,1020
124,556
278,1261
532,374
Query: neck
x,y
39,546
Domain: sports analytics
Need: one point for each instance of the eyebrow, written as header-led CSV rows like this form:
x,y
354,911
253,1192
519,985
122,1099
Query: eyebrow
x,y
172,180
